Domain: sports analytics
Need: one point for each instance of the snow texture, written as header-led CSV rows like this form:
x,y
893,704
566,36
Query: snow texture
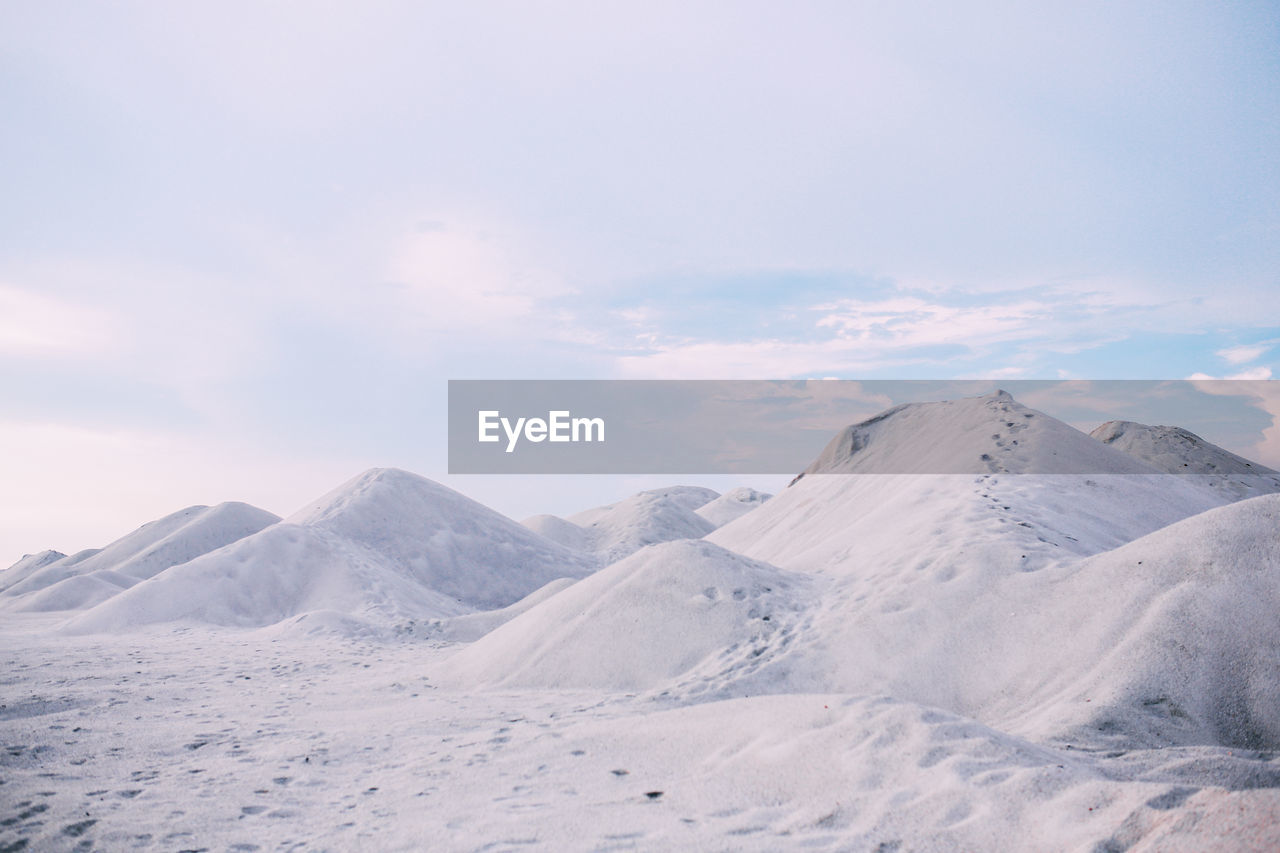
x,y
1177,451
620,529
385,546
88,578
732,504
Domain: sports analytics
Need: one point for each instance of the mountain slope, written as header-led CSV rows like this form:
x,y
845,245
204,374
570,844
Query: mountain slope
x,y
648,618
28,565
993,434
442,539
283,571
886,493
1170,639
152,548
954,590
617,530
1178,451
731,504
386,546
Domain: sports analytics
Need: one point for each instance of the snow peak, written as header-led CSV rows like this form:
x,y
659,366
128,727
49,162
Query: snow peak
x,y
558,426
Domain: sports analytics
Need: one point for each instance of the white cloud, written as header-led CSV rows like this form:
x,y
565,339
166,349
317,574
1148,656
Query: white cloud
x,y
1253,373
1010,372
760,359
860,335
912,322
1245,352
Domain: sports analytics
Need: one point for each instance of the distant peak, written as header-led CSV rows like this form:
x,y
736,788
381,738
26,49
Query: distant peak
x,y
389,475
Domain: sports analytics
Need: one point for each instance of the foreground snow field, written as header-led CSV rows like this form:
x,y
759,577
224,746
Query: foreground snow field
x,y
203,739
967,627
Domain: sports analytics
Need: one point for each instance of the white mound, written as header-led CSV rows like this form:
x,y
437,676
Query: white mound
x,y
77,592
684,497
470,627
1178,451
281,572
316,624
977,435
560,531
969,593
387,546
29,564
659,515
1171,639
145,552
442,539
731,504
639,623
846,515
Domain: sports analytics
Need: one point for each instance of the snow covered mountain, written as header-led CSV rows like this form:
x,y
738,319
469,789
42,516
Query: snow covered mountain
x,y
1178,451
993,434
920,484
640,622
950,590
28,565
442,539
731,505
620,529
385,546
91,577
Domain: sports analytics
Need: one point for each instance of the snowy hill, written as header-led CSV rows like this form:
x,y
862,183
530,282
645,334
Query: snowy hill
x,y
1171,639
731,504
283,571
993,434
29,564
644,620
957,591
1178,451
442,539
385,546
1044,490
969,592
88,578
620,529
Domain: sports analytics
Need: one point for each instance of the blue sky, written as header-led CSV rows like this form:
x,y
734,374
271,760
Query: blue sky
x,y
243,246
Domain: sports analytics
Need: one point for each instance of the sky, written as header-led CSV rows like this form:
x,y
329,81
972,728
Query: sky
x,y
244,246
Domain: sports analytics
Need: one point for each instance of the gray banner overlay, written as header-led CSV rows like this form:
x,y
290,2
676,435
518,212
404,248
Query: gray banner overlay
x,y
780,427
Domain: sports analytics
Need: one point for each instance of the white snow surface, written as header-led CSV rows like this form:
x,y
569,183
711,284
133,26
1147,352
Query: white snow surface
x,y
284,571
153,547
641,622
617,530
28,565
976,435
387,546
442,539
1178,451
731,505
1065,649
